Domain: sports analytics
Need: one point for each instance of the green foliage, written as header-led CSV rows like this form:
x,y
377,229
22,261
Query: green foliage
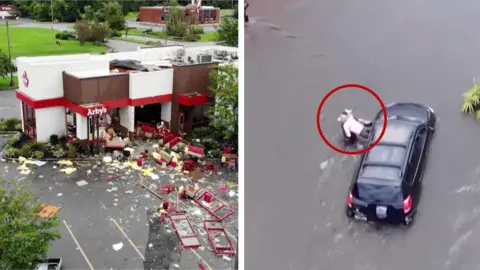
x,y
6,65
11,152
26,238
10,124
471,100
91,31
176,24
54,140
224,87
228,32
109,12
13,140
38,154
40,11
28,150
198,30
65,35
59,152
72,151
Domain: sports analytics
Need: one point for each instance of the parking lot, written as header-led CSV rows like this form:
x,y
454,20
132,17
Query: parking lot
x,y
420,51
106,212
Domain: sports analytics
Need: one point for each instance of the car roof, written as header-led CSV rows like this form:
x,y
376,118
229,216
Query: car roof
x,y
397,131
386,160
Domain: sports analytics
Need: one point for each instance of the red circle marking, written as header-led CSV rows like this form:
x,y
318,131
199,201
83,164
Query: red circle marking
x,y
384,110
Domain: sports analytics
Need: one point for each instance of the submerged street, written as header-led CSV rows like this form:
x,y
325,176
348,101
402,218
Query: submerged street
x,y
418,51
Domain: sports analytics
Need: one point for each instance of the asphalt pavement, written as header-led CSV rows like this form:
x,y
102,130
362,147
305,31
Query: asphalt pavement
x,y
296,186
9,105
110,209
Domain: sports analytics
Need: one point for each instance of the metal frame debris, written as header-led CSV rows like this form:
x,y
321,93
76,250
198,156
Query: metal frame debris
x,y
188,237
214,201
214,230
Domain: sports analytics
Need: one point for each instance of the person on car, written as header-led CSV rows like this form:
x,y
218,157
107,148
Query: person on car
x,y
359,128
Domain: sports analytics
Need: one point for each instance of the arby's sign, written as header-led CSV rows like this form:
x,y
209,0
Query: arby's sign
x,y
96,111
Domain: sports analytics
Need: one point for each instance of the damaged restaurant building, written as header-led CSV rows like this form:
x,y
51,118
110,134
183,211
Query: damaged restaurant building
x,y
80,95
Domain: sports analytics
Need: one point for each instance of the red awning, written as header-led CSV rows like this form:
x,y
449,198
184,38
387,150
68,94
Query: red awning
x,y
192,99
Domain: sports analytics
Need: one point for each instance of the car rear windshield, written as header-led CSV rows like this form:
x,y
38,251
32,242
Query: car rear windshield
x,y
388,194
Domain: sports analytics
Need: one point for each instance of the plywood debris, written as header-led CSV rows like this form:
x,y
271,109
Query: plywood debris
x,y
48,211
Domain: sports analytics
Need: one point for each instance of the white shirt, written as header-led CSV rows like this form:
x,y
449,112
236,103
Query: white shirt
x,y
352,125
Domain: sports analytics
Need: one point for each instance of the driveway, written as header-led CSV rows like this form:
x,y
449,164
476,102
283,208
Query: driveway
x,y
422,51
9,105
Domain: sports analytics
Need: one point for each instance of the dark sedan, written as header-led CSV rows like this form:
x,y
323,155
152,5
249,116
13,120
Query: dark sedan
x,y
386,186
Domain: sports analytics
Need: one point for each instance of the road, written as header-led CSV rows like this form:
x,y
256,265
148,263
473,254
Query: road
x,y
26,22
422,51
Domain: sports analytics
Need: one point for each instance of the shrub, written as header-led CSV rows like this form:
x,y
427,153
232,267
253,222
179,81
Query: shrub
x,y
29,149
65,35
59,152
72,151
26,150
10,124
148,31
13,140
38,154
54,140
190,37
11,152
471,100
196,29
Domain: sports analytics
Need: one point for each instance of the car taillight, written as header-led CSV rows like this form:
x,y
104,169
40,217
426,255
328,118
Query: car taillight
x,y
407,204
349,199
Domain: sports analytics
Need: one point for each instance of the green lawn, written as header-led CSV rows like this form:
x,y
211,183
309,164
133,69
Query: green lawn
x,y
131,15
5,82
40,41
224,12
205,37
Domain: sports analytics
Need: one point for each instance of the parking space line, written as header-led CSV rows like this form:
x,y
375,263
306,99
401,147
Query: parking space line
x,y
78,245
128,238
202,259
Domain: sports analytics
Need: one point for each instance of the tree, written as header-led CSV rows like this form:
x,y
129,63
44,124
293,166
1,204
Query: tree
x,y
111,13
82,30
228,32
98,32
89,14
40,11
224,86
6,65
25,237
176,24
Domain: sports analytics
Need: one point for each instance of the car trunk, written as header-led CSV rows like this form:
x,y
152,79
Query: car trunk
x,y
378,202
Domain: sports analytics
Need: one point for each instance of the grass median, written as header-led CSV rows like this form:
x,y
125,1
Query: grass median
x,y
26,41
5,82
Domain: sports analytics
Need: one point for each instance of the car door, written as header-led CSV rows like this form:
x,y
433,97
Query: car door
x,y
415,164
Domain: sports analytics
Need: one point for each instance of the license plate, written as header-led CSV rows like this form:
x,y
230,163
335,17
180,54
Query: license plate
x,y
381,212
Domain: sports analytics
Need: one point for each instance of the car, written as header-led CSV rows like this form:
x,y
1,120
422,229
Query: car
x,y
387,183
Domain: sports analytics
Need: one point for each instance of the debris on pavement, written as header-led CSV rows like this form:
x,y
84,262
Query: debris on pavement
x,y
112,189
118,246
65,162
59,194
48,211
68,170
82,183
